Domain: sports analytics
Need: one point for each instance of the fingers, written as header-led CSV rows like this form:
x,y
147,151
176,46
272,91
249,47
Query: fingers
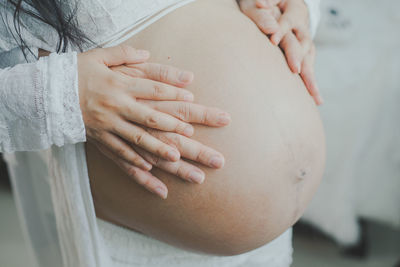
x,y
143,178
122,54
300,58
293,52
191,149
180,168
146,116
153,90
123,151
308,76
285,26
158,72
146,179
138,136
264,19
190,112
304,37
167,74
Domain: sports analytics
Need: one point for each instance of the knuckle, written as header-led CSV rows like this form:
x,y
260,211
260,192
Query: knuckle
x,y
152,120
204,117
202,155
158,90
138,138
131,171
184,112
163,73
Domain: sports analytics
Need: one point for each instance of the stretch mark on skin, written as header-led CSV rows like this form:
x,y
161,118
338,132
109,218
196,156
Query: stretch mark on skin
x,y
300,175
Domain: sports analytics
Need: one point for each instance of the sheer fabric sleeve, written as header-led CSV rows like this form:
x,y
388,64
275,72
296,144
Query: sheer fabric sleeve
x,y
16,56
314,13
39,104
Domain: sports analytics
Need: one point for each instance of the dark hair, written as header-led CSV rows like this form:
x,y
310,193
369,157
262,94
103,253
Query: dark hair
x,y
59,14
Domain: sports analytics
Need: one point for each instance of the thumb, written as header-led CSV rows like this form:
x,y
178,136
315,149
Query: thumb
x,y
123,54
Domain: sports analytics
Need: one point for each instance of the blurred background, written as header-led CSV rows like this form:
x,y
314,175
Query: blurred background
x,y
354,219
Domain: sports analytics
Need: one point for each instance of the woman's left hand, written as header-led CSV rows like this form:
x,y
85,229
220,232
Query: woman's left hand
x,y
287,24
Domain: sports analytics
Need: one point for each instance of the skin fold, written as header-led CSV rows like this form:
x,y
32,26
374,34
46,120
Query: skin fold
x,y
274,147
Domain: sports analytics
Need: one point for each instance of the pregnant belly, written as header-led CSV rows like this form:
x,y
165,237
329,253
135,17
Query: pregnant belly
x,y
274,147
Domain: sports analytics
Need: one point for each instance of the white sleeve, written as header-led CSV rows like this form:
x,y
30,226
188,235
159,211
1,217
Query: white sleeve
x,y
16,56
39,104
314,13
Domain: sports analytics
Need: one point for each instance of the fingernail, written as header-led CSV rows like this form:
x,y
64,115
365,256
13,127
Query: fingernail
x,y
320,100
196,177
162,192
224,118
188,97
216,162
173,155
275,39
185,77
298,68
189,131
143,53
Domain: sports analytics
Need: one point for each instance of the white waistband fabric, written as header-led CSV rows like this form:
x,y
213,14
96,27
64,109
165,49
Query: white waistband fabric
x,y
131,249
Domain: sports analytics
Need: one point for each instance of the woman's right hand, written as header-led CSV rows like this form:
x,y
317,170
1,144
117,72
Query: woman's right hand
x,y
287,24
118,120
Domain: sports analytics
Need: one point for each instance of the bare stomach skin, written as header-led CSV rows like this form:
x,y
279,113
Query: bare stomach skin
x,y
274,147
